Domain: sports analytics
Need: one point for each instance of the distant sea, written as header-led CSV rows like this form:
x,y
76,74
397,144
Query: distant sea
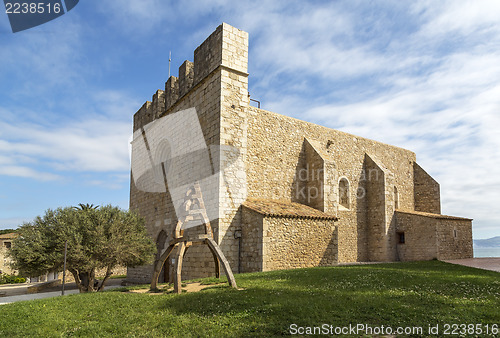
x,y
486,252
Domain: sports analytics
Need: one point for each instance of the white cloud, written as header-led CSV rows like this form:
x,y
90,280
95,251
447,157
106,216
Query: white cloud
x,y
89,145
136,16
464,17
20,171
315,40
42,55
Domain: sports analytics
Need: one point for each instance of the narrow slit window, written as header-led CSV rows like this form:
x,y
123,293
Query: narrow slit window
x,y
401,236
396,198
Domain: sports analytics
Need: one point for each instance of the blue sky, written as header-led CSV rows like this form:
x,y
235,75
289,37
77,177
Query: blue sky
x,y
422,75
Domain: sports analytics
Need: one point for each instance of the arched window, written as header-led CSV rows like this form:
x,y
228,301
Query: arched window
x,y
396,198
344,193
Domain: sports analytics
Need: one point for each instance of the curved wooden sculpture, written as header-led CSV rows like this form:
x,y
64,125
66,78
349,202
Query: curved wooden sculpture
x,y
193,208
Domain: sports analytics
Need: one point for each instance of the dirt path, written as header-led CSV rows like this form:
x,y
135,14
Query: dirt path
x,y
191,287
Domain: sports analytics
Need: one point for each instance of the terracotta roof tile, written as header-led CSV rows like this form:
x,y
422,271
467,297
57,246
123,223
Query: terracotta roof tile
x,y
285,209
428,214
11,235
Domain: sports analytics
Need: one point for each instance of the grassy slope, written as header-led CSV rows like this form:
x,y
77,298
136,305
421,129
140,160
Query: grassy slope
x,y
400,294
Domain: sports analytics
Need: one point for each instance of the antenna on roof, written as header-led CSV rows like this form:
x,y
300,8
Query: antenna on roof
x,y
169,62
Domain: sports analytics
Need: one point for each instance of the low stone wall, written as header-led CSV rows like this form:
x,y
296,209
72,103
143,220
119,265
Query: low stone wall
x,y
251,241
455,239
139,275
279,241
432,236
290,243
119,270
420,241
39,287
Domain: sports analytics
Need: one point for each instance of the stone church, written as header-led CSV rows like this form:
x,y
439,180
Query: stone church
x,y
294,194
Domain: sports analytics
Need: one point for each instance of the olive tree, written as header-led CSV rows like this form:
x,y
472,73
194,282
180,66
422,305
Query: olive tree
x,y
97,238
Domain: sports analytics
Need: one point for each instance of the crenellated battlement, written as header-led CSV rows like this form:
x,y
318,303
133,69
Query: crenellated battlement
x,y
226,47
172,92
186,77
150,110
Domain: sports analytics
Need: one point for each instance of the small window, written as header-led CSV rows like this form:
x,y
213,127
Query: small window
x,y
455,233
8,245
396,198
401,236
344,193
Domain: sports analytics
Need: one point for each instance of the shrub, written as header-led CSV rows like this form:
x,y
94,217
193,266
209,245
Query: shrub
x,y
9,279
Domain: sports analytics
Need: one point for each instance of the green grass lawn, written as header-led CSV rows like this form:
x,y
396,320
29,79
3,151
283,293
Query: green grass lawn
x,y
395,295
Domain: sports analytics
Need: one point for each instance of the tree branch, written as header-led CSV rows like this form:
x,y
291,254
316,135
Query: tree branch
x,y
109,272
76,276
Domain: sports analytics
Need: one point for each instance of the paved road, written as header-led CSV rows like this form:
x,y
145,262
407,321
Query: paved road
x,y
18,298
19,292
485,263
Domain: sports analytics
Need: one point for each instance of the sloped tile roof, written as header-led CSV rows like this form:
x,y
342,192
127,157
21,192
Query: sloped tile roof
x,y
11,235
285,209
431,215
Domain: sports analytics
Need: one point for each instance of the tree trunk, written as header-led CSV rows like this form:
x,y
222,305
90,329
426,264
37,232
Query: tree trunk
x,y
78,281
92,281
86,280
109,272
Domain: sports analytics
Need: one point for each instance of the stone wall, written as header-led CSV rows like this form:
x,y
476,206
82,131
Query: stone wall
x,y
313,193
419,236
274,240
251,241
99,274
140,274
276,154
5,244
316,178
433,236
427,194
454,238
233,139
275,144
376,221
5,262
290,243
216,86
